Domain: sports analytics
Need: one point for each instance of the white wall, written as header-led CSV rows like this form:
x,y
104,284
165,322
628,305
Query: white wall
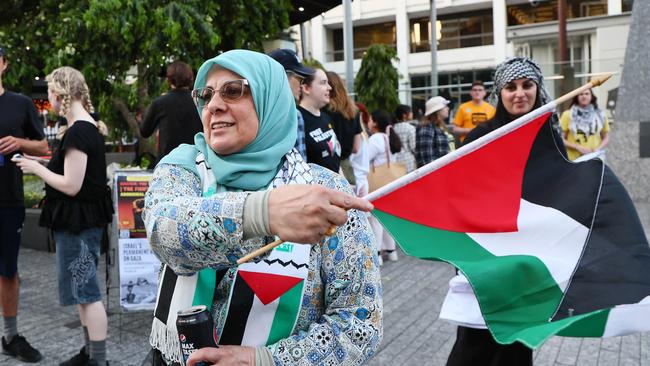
x,y
608,50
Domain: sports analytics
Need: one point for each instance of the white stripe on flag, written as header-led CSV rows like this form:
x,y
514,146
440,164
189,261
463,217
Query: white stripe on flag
x,y
260,320
627,319
544,232
182,297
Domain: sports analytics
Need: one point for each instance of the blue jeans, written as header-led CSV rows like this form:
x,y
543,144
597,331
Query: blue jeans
x,y
77,258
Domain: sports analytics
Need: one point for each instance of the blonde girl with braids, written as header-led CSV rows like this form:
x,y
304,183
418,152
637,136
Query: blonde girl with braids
x,y
77,207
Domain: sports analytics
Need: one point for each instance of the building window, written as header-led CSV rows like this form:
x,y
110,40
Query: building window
x,y
453,31
363,36
454,86
546,11
627,5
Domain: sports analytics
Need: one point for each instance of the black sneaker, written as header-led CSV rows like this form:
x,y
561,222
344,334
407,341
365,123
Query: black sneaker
x,y
80,359
21,349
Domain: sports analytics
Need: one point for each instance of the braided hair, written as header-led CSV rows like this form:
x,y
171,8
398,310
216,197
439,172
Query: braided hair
x,y
70,85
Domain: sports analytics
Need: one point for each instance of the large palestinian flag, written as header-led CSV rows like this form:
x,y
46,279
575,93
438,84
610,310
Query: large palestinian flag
x,y
548,246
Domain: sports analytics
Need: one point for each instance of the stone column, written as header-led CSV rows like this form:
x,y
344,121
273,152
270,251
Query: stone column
x,y
631,131
403,49
499,25
318,43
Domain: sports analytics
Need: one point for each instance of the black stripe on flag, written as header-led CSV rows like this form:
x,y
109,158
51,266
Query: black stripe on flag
x,y
238,310
573,188
166,293
614,266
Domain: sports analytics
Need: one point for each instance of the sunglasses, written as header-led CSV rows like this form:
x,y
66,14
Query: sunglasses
x,y
230,92
300,78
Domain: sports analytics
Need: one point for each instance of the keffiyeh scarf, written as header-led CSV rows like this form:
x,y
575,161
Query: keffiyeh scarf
x,y
517,68
586,121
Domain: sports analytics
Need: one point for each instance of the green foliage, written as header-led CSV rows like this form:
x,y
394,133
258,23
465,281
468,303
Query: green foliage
x,y
115,41
34,190
376,82
313,63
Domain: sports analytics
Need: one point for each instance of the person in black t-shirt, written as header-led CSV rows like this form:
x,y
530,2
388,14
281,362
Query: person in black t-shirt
x,y
346,122
323,146
20,132
173,114
77,205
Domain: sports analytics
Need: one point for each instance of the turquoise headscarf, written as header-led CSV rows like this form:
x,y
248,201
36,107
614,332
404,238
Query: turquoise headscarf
x,y
254,167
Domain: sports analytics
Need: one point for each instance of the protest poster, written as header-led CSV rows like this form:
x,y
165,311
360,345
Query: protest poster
x,y
139,269
138,265
130,189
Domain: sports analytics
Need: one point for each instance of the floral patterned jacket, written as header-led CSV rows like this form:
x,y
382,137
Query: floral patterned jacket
x,y
340,321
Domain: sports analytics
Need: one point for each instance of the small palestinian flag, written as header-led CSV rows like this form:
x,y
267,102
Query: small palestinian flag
x,y
548,246
266,297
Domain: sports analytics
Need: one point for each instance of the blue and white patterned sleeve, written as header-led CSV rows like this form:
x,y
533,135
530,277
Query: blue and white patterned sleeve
x,y
189,232
346,328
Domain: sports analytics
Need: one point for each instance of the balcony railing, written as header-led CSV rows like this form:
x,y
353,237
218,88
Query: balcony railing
x,y
337,55
448,43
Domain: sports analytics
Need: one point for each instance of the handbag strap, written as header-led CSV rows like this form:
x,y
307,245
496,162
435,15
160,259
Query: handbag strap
x,y
386,146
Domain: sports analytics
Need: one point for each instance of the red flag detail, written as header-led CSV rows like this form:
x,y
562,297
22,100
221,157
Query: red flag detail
x,y
472,194
268,286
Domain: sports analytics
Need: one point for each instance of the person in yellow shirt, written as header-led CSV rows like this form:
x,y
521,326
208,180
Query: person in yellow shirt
x,y
585,128
473,112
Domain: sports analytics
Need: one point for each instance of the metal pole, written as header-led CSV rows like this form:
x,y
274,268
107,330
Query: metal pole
x,y
434,50
348,45
561,10
303,41
568,81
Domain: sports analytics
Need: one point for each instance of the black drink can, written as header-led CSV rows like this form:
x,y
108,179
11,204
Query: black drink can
x,y
195,330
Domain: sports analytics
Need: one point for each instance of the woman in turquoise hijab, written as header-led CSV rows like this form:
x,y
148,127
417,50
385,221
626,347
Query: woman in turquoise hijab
x,y
316,298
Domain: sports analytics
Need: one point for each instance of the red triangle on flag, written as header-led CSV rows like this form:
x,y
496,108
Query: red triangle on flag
x,y
472,194
268,286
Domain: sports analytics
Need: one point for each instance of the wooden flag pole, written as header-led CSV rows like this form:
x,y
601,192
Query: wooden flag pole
x,y
595,82
268,247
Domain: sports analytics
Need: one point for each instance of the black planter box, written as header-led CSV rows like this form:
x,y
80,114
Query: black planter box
x,y
33,235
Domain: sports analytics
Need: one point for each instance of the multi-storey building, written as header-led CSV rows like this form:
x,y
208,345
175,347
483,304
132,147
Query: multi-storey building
x,y
473,36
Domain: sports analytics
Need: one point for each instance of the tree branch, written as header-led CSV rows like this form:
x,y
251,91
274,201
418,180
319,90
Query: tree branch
x,y
128,116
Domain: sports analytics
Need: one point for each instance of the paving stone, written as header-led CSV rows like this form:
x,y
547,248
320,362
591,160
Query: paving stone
x,y
547,354
588,354
568,353
607,358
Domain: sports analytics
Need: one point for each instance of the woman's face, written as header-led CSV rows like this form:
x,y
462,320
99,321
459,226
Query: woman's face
x,y
518,96
54,100
228,126
319,90
584,98
443,114
372,126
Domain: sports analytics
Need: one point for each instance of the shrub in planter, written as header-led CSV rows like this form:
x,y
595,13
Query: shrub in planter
x,y
34,190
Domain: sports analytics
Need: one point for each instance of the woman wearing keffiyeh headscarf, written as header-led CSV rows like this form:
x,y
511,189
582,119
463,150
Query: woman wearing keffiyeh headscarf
x,y
518,89
585,127
238,187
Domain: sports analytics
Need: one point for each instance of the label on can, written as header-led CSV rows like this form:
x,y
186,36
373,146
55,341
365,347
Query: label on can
x,y
195,330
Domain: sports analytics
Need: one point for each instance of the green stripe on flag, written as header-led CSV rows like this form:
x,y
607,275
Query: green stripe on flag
x,y
205,285
286,313
588,325
516,308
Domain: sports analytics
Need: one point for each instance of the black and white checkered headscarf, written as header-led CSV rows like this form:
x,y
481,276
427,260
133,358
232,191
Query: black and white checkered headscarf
x,y
515,68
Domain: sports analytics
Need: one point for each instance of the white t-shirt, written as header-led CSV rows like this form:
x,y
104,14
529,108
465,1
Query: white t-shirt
x,y
377,146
